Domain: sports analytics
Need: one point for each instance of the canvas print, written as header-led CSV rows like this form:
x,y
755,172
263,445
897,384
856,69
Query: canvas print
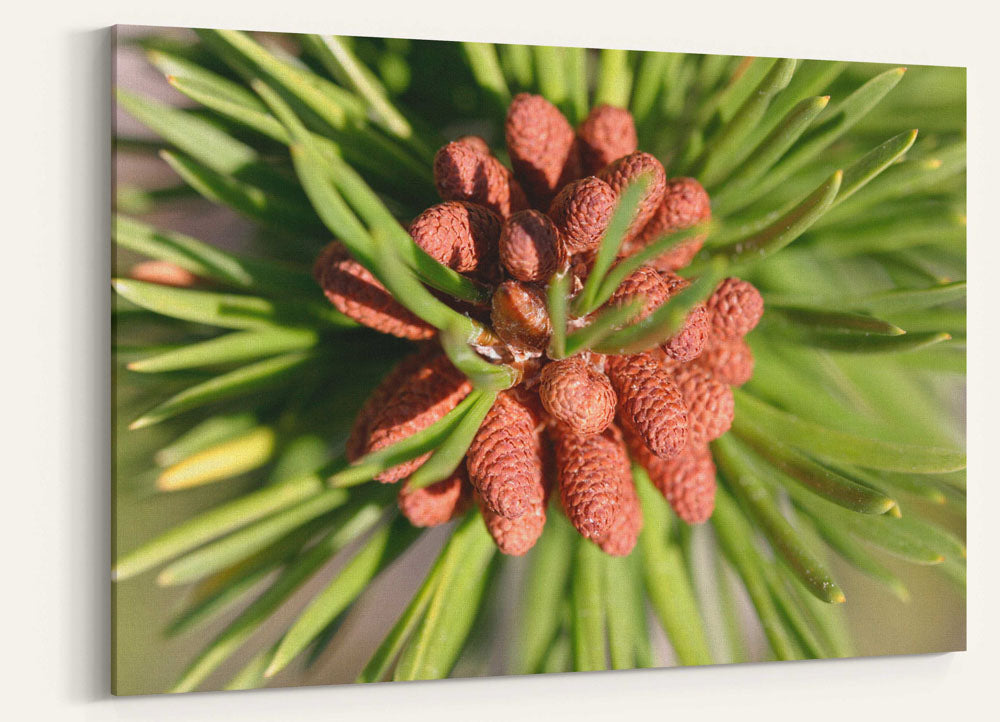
x,y
447,359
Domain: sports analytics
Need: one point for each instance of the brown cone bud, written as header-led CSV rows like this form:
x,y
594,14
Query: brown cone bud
x,y
542,147
515,537
476,143
687,481
529,246
607,134
357,441
730,361
163,273
520,317
465,170
621,536
505,459
431,391
437,503
649,402
691,491
709,403
577,395
736,307
626,170
580,266
688,343
588,469
685,204
657,287
581,212
356,293
461,235
645,282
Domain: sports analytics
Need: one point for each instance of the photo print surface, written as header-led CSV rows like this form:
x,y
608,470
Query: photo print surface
x,y
449,359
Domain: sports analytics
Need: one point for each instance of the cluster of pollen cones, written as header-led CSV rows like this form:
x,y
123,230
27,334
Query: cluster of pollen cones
x,y
571,425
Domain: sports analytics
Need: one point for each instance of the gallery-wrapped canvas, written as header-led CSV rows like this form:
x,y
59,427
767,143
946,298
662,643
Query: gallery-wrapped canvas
x,y
447,359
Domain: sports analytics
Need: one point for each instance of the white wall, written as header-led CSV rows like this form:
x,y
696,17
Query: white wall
x,y
53,281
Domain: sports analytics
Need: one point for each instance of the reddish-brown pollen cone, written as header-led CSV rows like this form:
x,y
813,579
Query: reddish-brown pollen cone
x,y
649,402
657,287
736,308
515,537
622,535
626,170
476,143
465,170
529,246
690,487
437,503
709,403
423,397
608,133
506,460
581,213
163,273
687,481
730,361
688,343
645,282
577,395
588,469
461,235
520,316
685,204
357,441
542,147
356,293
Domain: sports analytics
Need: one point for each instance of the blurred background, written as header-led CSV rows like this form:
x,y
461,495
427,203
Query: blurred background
x,y
148,658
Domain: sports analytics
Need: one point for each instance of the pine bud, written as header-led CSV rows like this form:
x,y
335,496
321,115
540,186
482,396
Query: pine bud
x,y
581,212
685,204
505,459
607,133
730,361
356,293
529,246
431,391
588,469
437,503
709,403
542,147
577,395
465,170
622,172
461,235
579,267
520,316
649,402
736,308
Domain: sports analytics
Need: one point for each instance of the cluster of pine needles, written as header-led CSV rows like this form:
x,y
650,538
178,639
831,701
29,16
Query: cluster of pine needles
x,y
847,442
